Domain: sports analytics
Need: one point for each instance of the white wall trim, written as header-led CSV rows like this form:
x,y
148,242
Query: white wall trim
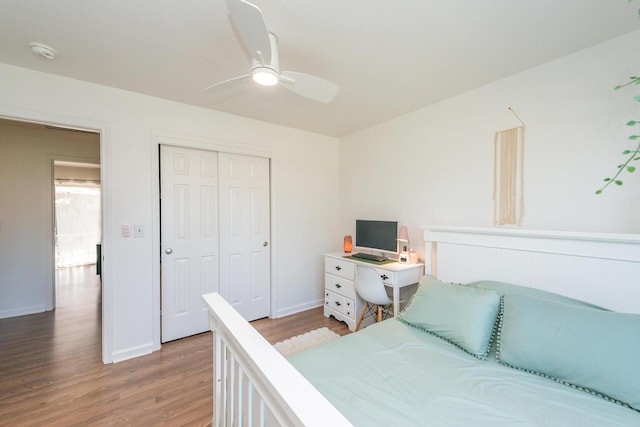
x,y
22,311
287,311
208,143
132,352
272,233
103,128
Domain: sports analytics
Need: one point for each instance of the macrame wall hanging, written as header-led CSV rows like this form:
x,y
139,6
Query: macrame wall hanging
x,y
508,174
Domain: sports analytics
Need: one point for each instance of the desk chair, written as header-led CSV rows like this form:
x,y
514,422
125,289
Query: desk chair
x,y
371,289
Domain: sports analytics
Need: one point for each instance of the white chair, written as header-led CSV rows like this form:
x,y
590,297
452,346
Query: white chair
x,y
371,289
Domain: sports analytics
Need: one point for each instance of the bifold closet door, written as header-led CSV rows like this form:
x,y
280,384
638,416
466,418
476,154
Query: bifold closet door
x,y
189,235
245,239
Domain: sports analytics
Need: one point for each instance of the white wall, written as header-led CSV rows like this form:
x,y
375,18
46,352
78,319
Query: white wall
x,y
26,212
305,191
434,166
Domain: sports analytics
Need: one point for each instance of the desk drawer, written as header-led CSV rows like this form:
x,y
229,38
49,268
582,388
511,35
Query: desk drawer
x,y
339,267
339,285
388,277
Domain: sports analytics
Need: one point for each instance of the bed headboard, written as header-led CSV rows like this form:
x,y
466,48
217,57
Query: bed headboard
x,y
600,268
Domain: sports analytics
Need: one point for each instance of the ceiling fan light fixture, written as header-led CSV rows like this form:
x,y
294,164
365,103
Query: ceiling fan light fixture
x,y
265,76
249,23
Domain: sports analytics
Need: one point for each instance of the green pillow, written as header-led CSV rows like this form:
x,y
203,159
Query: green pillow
x,y
462,315
588,348
504,288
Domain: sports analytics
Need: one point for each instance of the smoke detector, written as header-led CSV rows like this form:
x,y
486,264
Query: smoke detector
x,y
43,50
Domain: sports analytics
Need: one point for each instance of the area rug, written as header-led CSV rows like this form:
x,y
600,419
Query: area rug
x,y
305,341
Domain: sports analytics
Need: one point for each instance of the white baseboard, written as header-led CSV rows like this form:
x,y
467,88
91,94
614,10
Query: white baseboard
x,y
22,311
298,308
130,353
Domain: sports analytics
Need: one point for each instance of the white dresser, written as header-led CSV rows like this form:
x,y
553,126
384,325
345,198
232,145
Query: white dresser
x,y
340,298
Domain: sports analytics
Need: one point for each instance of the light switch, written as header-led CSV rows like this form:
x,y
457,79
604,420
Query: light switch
x,y
126,230
138,230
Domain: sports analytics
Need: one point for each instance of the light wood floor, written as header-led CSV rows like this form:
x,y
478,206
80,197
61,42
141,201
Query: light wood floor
x,y
51,370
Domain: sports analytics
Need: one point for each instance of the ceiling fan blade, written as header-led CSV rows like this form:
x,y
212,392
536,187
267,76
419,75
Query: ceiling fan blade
x,y
249,22
224,82
309,86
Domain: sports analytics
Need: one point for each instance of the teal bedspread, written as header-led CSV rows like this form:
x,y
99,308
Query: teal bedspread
x,y
391,374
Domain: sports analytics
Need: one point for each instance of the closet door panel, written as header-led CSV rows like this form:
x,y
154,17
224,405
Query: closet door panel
x,y
189,231
245,241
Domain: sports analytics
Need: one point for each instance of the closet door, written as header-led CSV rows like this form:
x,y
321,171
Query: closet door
x,y
189,235
245,254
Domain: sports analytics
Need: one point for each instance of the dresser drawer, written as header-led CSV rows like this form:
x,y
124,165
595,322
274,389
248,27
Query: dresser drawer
x,y
339,304
340,267
339,285
334,301
349,308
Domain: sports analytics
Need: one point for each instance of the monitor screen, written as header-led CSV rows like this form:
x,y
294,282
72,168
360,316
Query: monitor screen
x,y
377,235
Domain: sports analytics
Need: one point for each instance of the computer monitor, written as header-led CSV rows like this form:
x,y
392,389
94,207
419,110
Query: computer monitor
x,y
377,235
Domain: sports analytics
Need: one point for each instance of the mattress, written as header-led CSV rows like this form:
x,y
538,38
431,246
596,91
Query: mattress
x,y
395,375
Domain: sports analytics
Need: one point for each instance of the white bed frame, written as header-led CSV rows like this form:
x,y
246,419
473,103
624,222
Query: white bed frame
x,y
600,268
256,386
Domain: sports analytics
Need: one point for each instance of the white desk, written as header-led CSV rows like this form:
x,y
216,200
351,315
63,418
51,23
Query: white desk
x,y
340,298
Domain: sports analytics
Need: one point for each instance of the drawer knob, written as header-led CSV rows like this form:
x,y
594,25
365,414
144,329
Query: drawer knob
x,y
384,276
338,285
338,303
338,268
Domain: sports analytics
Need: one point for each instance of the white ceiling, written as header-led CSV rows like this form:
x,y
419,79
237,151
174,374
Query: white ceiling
x,y
389,57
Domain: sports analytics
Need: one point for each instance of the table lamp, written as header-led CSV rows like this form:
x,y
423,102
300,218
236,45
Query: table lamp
x,y
403,243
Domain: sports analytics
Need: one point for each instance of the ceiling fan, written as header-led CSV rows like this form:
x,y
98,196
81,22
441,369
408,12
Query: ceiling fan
x,y
263,46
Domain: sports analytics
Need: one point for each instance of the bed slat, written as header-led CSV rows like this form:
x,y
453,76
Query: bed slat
x,y
285,397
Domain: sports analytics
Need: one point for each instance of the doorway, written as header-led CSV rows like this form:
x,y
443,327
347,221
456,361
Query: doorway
x,y
29,147
77,230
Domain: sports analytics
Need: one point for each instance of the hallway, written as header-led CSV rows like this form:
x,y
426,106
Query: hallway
x,y
71,332
77,286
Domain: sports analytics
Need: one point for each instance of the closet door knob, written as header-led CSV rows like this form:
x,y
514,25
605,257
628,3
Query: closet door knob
x,y
168,251
265,244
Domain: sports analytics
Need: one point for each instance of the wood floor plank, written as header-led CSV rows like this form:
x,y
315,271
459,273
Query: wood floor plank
x,y
51,371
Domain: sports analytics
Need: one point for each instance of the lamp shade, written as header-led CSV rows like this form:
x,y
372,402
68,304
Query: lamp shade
x,y
403,234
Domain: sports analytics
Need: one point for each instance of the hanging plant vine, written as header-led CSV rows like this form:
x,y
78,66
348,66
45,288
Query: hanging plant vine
x,y
632,155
